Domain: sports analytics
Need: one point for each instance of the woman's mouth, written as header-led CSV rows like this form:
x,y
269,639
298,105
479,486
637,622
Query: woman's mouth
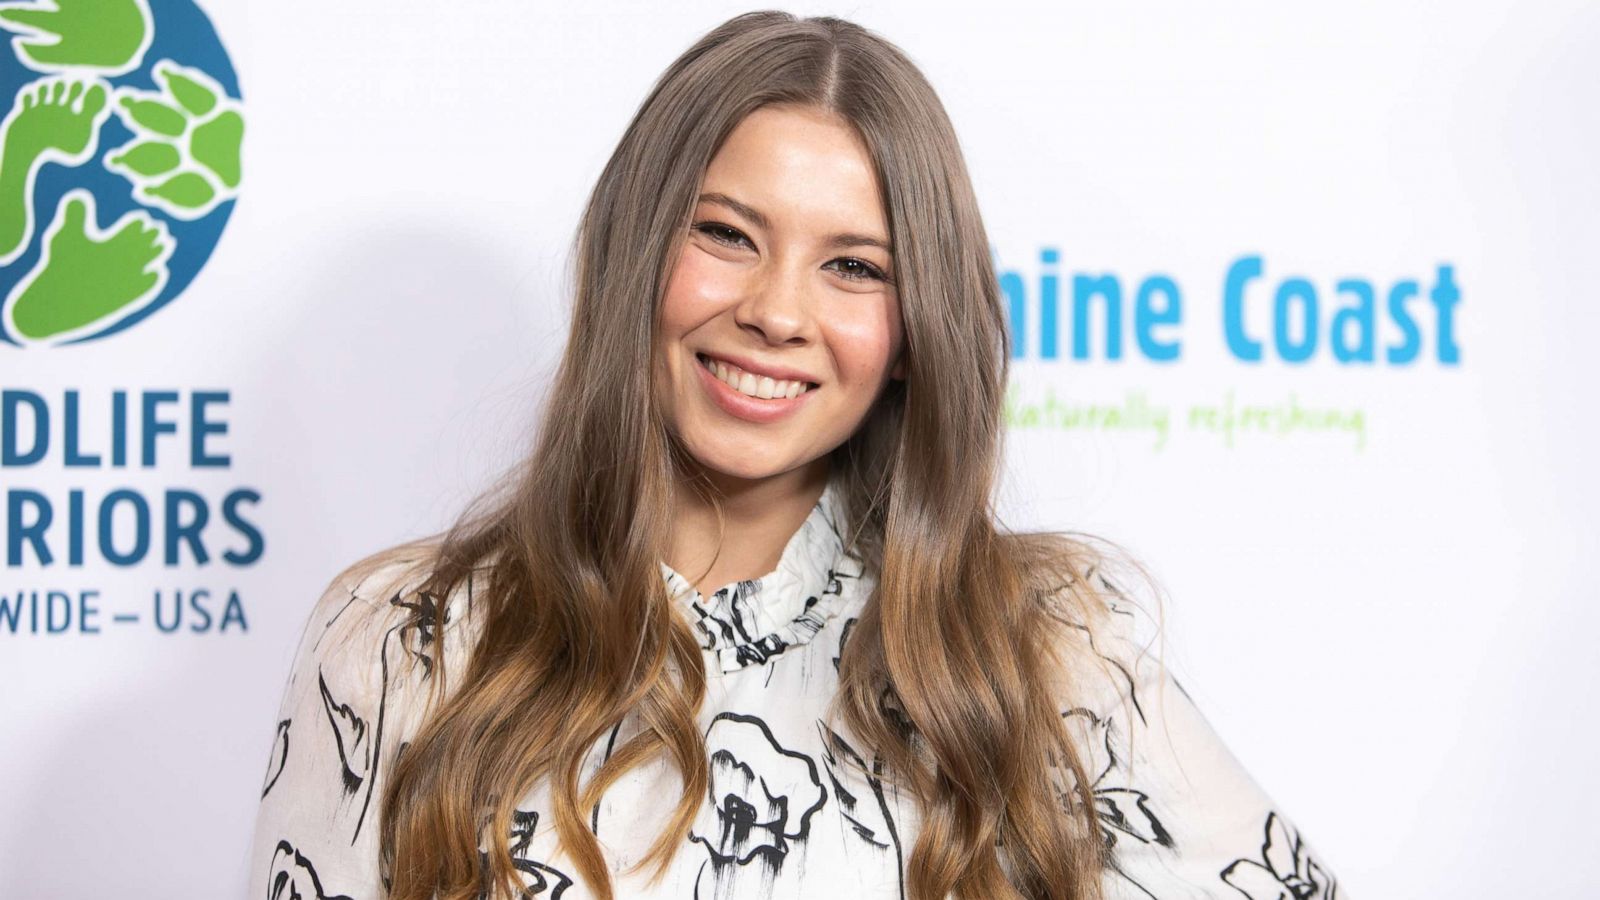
x,y
753,398
749,384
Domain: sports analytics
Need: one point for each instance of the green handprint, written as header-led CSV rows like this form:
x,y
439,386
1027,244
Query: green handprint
x,y
86,275
109,36
52,120
184,158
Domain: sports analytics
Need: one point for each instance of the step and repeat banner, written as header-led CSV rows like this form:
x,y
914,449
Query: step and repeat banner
x,y
1303,302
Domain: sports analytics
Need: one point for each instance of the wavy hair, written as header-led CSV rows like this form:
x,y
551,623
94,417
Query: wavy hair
x,y
951,674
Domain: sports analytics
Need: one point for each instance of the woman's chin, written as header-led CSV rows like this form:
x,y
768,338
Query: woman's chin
x,y
745,469
730,462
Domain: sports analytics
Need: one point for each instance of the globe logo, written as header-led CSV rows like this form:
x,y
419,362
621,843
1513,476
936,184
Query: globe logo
x,y
119,162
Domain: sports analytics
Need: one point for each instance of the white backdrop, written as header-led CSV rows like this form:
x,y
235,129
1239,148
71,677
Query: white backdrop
x,y
1390,621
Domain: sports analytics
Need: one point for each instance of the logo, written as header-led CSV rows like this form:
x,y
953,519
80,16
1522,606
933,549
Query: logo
x,y
119,162
1271,323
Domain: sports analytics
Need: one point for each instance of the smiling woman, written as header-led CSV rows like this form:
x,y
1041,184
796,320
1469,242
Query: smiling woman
x,y
774,341
743,624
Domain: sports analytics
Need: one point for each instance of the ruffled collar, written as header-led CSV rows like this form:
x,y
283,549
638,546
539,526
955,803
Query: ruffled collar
x,y
748,622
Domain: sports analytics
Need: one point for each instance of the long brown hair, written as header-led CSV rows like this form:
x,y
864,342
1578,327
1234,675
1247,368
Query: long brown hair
x,y
951,674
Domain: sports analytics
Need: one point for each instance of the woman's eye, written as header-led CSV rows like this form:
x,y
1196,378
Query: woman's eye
x,y
721,233
859,270
850,268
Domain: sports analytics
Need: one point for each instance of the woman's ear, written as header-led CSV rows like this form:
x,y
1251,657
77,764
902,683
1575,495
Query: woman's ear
x,y
899,371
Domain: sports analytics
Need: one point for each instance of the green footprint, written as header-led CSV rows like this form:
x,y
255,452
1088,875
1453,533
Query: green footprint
x,y
52,120
109,36
184,158
86,275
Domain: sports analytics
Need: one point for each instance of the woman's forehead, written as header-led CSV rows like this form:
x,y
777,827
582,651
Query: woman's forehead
x,y
797,167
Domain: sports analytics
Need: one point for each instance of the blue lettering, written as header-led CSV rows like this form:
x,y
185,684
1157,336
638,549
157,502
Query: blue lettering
x,y
119,429
233,612
153,426
85,611
52,601
11,455
22,613
200,610
1017,302
1049,303
1445,296
141,538
200,426
1283,304
75,527
189,531
177,612
9,613
1147,315
32,532
1241,345
1398,295
1084,289
253,535
73,457
1363,315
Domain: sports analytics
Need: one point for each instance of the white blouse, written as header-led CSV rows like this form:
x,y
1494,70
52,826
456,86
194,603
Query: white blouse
x,y
787,815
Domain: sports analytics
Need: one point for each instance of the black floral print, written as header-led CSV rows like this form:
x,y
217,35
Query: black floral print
x,y
280,755
293,877
538,879
417,635
1124,812
350,738
869,817
1286,869
752,621
795,808
762,796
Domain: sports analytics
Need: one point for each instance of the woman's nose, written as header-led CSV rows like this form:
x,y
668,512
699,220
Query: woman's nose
x,y
777,307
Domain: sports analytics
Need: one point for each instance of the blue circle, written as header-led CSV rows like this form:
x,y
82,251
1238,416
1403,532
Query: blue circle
x,y
184,35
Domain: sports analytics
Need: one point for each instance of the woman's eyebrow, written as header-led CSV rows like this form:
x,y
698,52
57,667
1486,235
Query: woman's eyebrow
x,y
841,240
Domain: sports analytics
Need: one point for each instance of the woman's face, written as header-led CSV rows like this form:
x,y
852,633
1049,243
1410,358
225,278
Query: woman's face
x,y
780,326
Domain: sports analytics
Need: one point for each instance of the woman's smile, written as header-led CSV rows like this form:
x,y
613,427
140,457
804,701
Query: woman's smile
x,y
747,396
756,380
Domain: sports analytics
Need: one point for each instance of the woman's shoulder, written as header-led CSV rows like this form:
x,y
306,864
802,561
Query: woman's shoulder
x,y
397,582
372,651
1103,612
379,625
1182,815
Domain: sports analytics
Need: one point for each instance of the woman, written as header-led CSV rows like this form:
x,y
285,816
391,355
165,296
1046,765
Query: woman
x,y
742,625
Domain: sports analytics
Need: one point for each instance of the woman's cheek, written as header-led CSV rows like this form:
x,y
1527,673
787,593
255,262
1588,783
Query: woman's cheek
x,y
701,286
862,345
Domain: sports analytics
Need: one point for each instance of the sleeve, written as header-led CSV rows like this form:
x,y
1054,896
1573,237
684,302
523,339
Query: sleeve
x,y
1181,815
350,701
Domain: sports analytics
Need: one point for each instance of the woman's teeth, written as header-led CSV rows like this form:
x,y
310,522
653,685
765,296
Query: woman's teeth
x,y
753,385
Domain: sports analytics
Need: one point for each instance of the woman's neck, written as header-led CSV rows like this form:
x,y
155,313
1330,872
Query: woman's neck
x,y
760,516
